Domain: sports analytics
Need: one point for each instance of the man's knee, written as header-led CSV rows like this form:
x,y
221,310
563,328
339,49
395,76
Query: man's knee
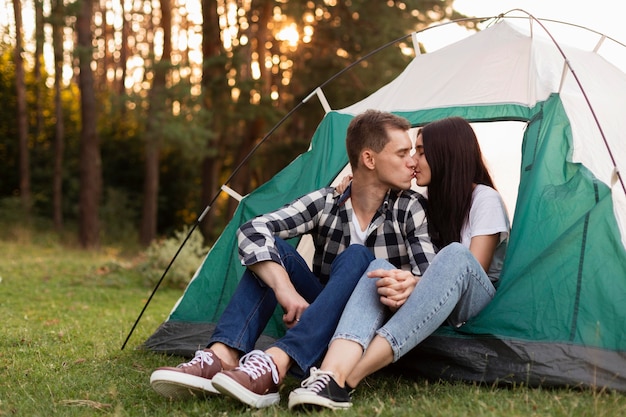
x,y
284,248
356,253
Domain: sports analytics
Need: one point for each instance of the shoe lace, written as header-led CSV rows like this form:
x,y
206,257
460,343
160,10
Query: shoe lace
x,y
317,380
257,363
201,357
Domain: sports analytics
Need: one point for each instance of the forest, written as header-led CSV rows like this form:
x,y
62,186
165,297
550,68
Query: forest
x,y
121,119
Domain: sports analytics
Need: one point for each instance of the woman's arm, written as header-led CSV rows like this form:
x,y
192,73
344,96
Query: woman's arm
x,y
343,185
483,247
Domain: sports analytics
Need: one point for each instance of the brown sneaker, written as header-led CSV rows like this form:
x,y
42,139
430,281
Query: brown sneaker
x,y
253,382
188,379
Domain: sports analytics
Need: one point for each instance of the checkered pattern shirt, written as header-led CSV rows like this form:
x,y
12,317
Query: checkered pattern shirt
x,y
398,232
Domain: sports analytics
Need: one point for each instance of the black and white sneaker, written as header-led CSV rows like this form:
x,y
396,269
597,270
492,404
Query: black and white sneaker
x,y
320,389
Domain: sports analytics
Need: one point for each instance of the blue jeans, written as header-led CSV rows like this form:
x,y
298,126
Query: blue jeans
x,y
253,304
454,289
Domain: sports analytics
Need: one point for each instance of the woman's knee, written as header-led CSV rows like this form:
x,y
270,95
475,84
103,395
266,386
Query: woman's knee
x,y
455,250
380,264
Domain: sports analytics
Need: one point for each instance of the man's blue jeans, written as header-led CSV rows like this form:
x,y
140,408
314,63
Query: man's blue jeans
x,y
253,304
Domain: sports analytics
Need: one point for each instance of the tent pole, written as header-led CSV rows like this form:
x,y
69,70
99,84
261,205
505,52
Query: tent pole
x,y
201,217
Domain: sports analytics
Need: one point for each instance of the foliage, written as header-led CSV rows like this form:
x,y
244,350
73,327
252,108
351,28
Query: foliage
x,y
41,145
160,253
8,127
215,108
67,312
119,214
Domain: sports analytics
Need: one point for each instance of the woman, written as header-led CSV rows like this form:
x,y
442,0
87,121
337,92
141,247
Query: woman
x,y
393,311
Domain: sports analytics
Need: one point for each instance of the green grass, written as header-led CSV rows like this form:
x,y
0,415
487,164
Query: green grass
x,y
66,312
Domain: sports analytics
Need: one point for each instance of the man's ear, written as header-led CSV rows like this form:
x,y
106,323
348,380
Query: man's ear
x,y
368,158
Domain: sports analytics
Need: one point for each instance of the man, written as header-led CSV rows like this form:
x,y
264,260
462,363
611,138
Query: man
x,y
371,219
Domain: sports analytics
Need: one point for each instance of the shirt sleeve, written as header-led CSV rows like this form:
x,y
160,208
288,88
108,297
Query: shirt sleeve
x,y
256,237
488,214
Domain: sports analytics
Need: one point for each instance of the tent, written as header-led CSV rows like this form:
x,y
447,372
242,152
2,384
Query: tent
x,y
559,315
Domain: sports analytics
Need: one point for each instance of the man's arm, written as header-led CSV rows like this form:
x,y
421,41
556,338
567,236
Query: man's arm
x,y
258,252
276,277
257,236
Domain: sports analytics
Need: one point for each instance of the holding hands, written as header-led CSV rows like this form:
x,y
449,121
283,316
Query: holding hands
x,y
394,286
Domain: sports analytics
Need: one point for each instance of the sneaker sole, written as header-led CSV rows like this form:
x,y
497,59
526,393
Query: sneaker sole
x,y
228,386
177,385
309,399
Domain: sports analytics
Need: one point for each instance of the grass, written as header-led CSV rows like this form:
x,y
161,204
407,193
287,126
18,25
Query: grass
x,y
66,312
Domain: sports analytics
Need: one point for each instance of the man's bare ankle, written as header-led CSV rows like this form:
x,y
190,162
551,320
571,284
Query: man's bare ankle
x,y
228,356
281,359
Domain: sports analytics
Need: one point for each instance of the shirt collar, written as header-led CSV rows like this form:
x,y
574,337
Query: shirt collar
x,y
348,192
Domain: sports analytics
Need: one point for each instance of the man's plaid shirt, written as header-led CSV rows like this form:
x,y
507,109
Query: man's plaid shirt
x,y
398,231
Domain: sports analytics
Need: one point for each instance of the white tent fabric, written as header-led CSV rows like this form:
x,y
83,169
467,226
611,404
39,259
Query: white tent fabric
x,y
524,69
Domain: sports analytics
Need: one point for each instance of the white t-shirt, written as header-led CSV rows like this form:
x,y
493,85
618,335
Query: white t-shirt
x,y
488,216
356,234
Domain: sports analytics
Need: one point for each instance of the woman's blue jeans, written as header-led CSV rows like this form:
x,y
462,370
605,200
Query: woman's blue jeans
x,y
253,304
454,289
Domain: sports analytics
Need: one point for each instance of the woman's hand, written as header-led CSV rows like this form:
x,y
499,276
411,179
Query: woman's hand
x,y
343,185
394,286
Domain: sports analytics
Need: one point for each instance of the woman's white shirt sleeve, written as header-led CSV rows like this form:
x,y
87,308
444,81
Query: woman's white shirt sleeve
x,y
487,216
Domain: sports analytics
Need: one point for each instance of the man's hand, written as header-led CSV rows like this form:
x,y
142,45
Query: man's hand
x,y
394,286
292,303
276,277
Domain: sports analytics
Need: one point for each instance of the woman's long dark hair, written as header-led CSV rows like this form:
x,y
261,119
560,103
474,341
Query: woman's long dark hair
x,y
456,164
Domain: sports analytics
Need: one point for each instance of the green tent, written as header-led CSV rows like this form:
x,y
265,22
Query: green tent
x,y
559,313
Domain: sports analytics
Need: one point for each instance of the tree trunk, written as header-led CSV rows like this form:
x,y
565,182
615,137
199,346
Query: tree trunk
x,y
39,41
90,160
59,129
254,128
22,117
156,117
123,64
39,88
216,96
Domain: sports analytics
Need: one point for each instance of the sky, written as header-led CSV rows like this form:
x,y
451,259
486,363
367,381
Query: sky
x,y
606,19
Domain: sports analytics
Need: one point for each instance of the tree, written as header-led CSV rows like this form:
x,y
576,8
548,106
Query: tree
x,y
39,87
90,162
22,116
157,116
216,101
141,90
253,119
59,130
